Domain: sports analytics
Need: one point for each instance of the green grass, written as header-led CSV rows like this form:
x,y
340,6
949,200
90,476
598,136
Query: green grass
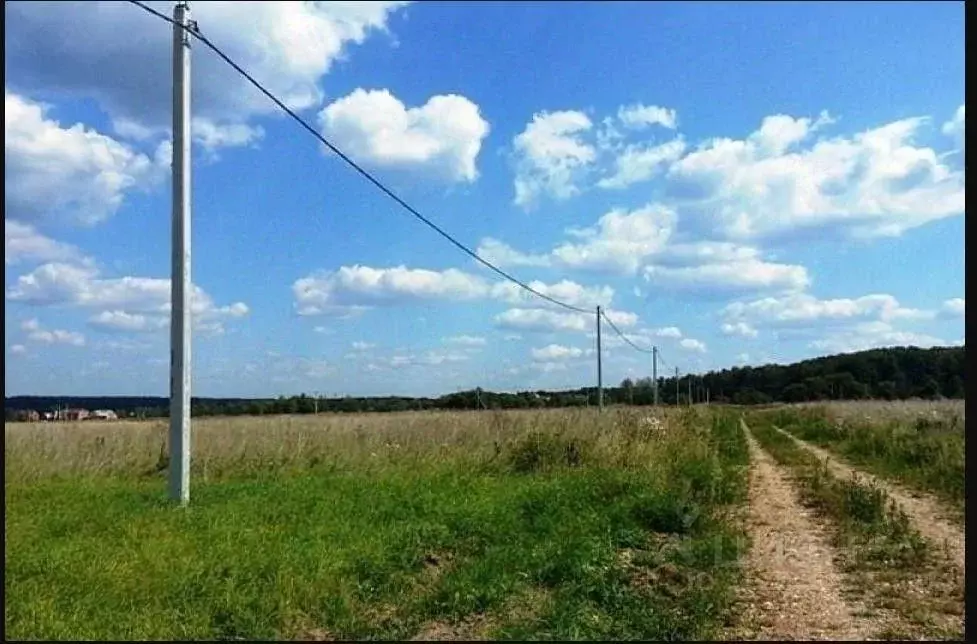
x,y
886,560
925,452
612,533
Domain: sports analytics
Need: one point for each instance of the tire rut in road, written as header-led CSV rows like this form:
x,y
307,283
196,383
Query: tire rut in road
x,y
793,589
925,512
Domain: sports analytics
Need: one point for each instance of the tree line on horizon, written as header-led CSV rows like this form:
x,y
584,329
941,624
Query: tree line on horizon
x,y
895,373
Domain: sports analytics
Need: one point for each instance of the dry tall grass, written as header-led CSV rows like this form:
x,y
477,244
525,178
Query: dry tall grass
x,y
903,411
225,445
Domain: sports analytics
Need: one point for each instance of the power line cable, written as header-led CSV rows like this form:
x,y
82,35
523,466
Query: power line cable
x,y
623,337
194,31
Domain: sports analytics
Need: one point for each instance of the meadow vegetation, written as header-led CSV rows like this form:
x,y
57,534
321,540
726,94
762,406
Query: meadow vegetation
x,y
919,443
549,524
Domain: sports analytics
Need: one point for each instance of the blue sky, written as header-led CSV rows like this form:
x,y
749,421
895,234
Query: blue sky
x,y
734,183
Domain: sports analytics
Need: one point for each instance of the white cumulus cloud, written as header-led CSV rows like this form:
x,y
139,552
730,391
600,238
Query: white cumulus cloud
x,y
639,116
620,241
58,284
739,328
801,309
466,341
873,335
66,174
552,156
445,134
22,242
353,289
691,344
638,163
777,181
956,127
51,336
123,321
543,320
955,307
730,277
501,254
556,352
120,56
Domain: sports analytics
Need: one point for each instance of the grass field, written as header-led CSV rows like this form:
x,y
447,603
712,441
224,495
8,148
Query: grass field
x,y
551,524
920,444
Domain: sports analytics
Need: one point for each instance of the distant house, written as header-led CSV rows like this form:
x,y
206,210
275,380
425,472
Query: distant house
x,y
103,414
27,416
76,414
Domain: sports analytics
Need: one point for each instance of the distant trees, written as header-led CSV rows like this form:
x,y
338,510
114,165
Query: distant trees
x,y
890,374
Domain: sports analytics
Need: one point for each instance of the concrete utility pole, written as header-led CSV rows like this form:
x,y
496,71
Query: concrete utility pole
x,y
180,279
600,375
654,372
676,386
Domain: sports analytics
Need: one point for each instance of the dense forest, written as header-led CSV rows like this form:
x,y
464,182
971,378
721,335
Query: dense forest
x,y
891,373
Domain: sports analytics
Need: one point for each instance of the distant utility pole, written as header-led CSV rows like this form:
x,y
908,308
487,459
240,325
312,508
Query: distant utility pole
x,y
600,375
676,386
315,403
180,305
654,372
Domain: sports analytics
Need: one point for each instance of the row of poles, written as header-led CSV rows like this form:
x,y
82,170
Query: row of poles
x,y
654,373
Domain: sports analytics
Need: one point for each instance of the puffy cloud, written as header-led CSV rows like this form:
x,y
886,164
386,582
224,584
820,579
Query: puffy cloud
x,y
543,320
363,346
872,335
403,361
18,349
730,277
123,321
621,318
120,298
466,341
22,242
564,291
877,182
639,116
956,127
556,352
55,336
739,328
445,134
66,174
690,344
501,254
353,289
558,152
667,332
620,241
212,136
638,163
551,156
955,307
801,309
73,48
